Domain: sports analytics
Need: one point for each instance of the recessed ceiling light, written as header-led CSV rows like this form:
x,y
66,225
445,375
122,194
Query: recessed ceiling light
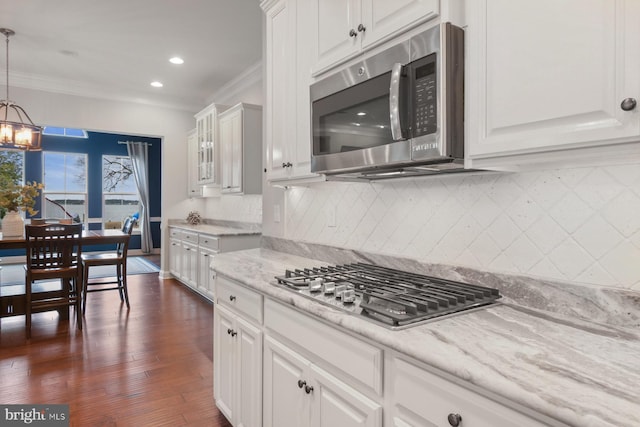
x,y
176,60
156,84
362,113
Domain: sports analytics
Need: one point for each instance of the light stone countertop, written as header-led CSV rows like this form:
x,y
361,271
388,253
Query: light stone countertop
x,y
583,374
215,230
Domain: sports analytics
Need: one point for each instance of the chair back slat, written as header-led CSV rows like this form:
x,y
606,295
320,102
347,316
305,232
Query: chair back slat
x,y
127,227
52,245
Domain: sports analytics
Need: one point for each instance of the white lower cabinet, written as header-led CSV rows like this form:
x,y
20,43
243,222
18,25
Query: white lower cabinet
x,y
298,393
191,253
237,355
316,375
419,398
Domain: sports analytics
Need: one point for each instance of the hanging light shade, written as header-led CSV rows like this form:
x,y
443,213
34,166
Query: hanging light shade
x,y
16,128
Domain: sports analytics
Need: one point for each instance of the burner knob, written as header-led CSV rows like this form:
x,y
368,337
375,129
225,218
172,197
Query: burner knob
x,y
308,389
454,419
315,285
349,296
301,383
328,287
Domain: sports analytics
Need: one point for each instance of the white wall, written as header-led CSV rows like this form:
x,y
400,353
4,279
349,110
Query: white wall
x,y
580,225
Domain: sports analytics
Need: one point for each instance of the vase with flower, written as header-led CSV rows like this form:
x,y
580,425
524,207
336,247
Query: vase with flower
x,y
13,199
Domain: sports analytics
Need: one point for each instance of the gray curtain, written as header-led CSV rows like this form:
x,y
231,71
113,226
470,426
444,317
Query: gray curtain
x,y
139,154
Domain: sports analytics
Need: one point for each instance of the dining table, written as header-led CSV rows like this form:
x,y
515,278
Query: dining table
x,y
13,299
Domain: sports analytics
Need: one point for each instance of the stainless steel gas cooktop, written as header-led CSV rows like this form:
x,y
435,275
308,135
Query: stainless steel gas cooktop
x,y
392,298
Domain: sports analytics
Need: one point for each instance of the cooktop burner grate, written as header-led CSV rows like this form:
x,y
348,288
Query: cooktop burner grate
x,y
390,296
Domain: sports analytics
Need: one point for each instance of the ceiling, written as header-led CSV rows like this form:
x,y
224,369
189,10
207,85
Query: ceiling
x,y
114,49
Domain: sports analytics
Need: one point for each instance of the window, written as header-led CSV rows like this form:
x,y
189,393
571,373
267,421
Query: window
x,y
65,185
119,192
68,132
11,170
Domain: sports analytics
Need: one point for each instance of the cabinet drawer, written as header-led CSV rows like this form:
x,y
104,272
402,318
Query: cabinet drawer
x,y
421,398
243,300
175,233
189,236
336,349
209,242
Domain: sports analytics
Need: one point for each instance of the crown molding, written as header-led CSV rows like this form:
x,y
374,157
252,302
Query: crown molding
x,y
82,89
233,88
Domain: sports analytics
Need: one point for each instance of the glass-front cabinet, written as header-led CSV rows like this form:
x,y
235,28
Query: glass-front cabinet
x,y
208,144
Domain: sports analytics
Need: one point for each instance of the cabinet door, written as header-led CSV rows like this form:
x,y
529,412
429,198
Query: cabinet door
x,y
248,381
189,264
542,76
175,256
231,138
334,403
224,357
337,35
285,404
226,145
280,86
205,275
193,189
384,18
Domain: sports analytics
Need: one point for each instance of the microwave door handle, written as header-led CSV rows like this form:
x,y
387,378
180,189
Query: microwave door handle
x,y
394,102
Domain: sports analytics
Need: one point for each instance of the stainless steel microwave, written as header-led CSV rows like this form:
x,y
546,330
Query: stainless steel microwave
x,y
397,113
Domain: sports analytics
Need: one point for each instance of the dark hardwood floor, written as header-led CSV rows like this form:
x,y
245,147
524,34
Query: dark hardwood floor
x,y
151,365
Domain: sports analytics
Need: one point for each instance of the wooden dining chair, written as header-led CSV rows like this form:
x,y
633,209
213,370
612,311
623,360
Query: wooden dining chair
x,y
53,253
117,258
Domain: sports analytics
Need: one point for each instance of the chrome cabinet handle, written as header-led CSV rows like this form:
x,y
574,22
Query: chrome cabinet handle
x,y
362,28
301,383
628,104
454,419
352,33
308,389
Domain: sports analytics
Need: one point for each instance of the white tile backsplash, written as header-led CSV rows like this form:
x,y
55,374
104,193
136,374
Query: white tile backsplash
x,y
234,208
580,225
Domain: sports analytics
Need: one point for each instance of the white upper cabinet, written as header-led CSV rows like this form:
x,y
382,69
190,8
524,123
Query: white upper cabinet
x,y
241,149
207,145
287,80
551,82
344,28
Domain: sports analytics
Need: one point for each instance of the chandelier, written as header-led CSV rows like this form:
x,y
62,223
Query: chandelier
x,y
16,128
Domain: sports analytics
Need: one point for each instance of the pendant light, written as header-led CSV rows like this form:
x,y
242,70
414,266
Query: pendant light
x,y
16,128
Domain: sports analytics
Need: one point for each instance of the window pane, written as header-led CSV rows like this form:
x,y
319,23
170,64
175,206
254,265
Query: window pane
x,y
54,173
76,179
11,167
117,175
65,172
60,205
119,206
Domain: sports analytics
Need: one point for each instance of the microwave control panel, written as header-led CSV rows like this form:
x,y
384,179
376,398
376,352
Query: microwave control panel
x,y
424,96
